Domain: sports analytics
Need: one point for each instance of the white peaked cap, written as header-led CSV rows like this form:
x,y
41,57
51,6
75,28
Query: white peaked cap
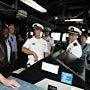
x,y
47,29
73,29
35,25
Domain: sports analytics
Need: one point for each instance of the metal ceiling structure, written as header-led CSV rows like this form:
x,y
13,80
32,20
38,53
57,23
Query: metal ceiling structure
x,y
57,11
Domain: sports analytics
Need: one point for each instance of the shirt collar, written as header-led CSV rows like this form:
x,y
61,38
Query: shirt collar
x,y
74,41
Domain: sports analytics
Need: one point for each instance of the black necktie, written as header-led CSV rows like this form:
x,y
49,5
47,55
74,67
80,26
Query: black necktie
x,y
12,39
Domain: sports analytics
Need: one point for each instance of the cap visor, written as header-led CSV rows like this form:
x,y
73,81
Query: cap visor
x,y
37,28
74,33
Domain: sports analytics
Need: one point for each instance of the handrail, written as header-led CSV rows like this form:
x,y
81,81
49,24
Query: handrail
x,y
55,55
6,4
69,68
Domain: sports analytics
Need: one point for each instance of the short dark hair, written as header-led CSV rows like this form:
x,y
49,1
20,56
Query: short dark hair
x,y
85,35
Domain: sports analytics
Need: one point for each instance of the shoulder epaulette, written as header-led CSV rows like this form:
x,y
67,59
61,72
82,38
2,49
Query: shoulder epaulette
x,y
75,44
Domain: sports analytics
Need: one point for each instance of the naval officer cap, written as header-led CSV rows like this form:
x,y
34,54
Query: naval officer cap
x,y
37,26
74,30
47,29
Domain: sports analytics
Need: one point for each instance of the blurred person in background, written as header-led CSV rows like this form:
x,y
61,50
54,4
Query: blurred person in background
x,y
4,59
84,45
85,50
49,39
13,41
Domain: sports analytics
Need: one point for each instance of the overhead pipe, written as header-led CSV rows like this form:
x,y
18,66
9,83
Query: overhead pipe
x,y
6,4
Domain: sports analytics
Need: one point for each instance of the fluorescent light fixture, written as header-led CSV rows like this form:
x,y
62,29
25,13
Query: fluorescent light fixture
x,y
22,13
74,20
34,5
56,17
88,31
83,29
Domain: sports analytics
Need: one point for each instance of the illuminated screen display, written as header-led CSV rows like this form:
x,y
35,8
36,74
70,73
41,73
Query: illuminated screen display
x,y
66,78
56,36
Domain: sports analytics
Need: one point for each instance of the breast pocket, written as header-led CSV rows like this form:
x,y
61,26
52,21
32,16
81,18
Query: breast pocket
x,y
32,46
43,47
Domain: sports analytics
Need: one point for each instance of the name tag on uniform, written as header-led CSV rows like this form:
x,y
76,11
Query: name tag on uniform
x,y
47,40
43,44
33,43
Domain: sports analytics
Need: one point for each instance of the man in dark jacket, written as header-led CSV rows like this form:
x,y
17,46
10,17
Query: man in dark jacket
x,y
5,56
5,52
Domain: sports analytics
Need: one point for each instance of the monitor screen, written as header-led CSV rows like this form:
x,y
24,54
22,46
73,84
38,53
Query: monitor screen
x,y
56,36
66,78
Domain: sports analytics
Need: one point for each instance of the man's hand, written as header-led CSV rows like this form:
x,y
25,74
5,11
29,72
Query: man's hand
x,y
29,52
35,56
12,83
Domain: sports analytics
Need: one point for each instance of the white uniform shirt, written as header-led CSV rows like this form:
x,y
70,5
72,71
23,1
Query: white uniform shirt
x,y
50,42
75,49
39,46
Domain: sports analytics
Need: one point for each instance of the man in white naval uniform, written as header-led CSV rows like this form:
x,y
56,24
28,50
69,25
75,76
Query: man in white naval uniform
x,y
50,41
74,46
35,47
